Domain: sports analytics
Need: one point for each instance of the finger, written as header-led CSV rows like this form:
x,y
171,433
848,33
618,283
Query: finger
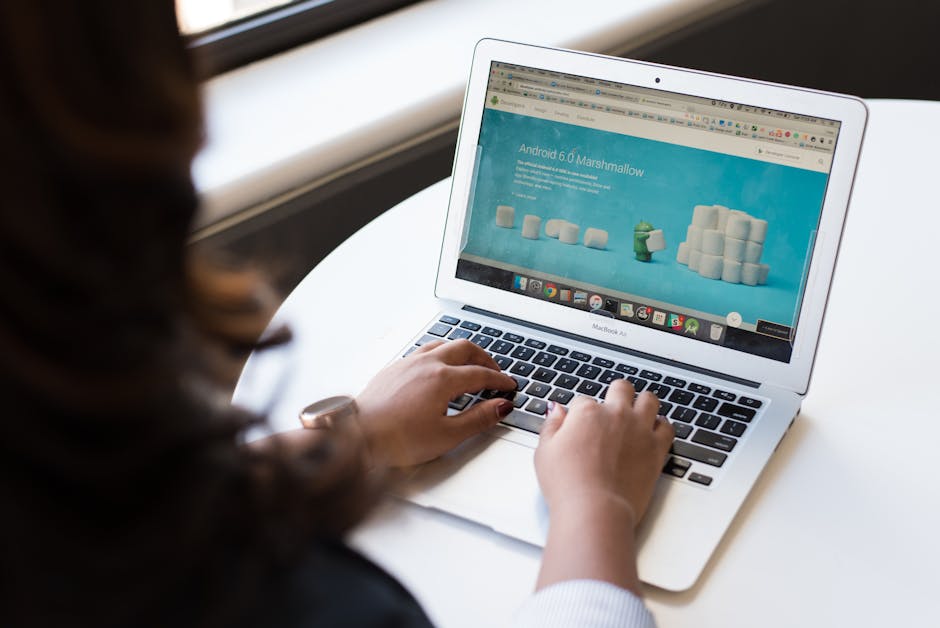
x,y
474,377
479,418
428,346
463,351
646,406
664,432
620,395
556,416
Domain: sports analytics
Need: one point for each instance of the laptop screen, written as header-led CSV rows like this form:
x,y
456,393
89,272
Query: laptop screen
x,y
689,215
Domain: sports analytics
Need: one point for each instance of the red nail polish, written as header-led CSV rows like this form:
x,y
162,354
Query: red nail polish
x,y
503,409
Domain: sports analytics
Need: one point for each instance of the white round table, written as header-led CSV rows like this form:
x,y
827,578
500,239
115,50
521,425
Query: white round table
x,y
842,528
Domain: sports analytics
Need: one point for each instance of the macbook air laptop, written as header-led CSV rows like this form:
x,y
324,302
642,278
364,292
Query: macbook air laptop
x,y
617,219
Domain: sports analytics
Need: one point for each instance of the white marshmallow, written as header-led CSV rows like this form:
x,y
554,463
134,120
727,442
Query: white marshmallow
x,y
505,216
568,233
713,242
722,217
758,230
752,252
695,256
656,241
595,238
552,227
531,225
738,226
682,255
705,216
710,266
731,271
750,274
764,271
734,249
693,236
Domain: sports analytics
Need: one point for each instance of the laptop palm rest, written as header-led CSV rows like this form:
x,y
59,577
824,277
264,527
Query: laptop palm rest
x,y
487,481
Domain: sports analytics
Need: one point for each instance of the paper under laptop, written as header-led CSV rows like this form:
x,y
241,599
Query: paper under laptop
x,y
651,222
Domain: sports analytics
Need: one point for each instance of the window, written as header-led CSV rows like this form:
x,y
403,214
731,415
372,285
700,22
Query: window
x,y
230,33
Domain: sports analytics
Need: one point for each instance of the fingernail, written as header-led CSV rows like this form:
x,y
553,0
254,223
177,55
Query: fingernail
x,y
503,409
551,406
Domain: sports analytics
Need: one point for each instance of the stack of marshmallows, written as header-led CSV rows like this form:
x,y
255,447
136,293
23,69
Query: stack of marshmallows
x,y
725,244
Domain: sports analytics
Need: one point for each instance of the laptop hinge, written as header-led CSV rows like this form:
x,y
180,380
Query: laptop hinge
x,y
615,348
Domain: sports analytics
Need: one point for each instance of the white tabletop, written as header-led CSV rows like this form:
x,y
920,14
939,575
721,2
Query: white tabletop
x,y
841,529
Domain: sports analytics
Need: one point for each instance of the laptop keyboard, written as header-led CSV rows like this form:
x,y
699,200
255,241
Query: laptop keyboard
x,y
709,421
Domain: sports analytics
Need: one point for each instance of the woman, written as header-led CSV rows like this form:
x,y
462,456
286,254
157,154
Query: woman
x,y
127,498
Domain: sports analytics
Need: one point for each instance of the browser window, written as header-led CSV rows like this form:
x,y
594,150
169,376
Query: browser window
x,y
691,215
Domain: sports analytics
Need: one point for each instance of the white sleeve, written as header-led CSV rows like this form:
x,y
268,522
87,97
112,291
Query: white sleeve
x,y
585,604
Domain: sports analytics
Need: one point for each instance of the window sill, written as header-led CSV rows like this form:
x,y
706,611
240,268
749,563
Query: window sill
x,y
305,117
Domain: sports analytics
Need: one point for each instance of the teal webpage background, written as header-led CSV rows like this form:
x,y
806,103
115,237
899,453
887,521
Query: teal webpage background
x,y
674,179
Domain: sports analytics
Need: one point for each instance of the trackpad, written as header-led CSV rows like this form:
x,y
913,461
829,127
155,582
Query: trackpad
x,y
488,479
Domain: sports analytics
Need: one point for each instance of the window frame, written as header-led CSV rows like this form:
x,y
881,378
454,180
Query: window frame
x,y
269,32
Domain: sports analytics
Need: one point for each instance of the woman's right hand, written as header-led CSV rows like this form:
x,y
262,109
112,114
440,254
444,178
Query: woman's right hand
x,y
610,451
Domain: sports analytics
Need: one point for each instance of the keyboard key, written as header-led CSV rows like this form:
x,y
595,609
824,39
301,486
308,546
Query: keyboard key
x,y
664,408
544,375
557,350
750,403
708,421
603,394
535,344
681,396
561,396
521,382
718,441
523,353
675,381
604,363
566,365
525,421
739,413
677,467
508,337
493,394
724,394
660,390
588,371
450,320
522,368
481,340
701,479
733,428
491,331
609,376
460,402
638,384
409,351
626,368
440,329
567,381
705,403
459,334
502,347
545,359
538,389
537,406
698,388
681,413
519,400
650,375
426,338
578,355
470,326
699,454
589,388
682,429
502,361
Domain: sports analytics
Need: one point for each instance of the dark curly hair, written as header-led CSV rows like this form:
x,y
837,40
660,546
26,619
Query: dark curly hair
x,y
126,495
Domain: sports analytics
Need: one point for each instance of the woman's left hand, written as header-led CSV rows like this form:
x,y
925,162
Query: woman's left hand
x,y
403,410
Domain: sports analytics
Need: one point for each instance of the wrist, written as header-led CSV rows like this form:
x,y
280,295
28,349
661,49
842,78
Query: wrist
x,y
594,503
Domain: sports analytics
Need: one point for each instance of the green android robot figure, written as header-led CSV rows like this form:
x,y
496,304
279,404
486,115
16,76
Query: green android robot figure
x,y
641,233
